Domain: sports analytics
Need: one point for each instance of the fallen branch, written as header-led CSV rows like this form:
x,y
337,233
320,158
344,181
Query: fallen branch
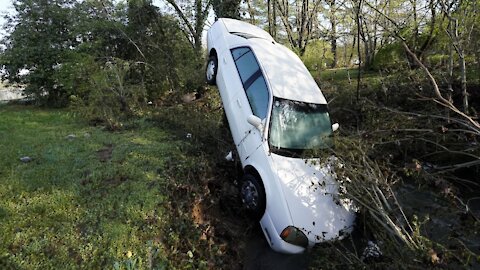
x,y
474,125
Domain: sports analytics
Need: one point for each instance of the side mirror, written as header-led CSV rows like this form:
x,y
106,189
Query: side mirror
x,y
255,121
335,127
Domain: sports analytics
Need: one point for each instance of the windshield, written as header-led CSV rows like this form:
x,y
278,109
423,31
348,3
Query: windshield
x,y
298,126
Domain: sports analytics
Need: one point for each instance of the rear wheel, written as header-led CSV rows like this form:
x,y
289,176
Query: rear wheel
x,y
211,70
253,195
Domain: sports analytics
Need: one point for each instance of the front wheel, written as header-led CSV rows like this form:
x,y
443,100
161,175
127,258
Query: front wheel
x,y
253,195
211,70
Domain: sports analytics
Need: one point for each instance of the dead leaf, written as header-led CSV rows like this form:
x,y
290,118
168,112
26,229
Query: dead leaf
x,y
432,255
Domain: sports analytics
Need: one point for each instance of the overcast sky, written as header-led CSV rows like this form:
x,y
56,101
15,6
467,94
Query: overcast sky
x,y
5,7
5,4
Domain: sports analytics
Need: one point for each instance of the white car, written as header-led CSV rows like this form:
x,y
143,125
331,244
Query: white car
x,y
277,114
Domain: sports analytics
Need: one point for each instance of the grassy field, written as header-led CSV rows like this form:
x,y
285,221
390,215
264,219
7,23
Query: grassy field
x,y
95,199
84,197
159,195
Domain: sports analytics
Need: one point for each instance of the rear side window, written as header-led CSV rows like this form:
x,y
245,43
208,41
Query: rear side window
x,y
252,80
257,95
246,65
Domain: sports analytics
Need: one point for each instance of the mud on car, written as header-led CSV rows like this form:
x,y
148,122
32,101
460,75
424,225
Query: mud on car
x,y
277,113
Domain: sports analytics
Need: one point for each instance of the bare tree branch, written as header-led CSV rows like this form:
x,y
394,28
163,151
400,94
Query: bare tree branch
x,y
475,125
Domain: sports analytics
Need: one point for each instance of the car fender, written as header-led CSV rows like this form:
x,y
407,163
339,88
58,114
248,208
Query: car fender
x,y
276,205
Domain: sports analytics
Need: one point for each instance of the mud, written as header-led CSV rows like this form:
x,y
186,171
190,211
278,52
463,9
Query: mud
x,y
443,217
259,255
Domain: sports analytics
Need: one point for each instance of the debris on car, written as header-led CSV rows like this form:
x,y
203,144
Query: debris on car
x,y
279,119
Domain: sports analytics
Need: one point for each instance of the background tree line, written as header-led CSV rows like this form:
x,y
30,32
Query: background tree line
x,y
107,58
408,104
133,51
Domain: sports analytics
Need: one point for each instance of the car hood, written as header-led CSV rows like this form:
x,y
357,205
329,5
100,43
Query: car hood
x,y
311,192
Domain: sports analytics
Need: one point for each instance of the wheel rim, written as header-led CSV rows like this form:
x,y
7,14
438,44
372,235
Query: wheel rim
x,y
210,70
250,195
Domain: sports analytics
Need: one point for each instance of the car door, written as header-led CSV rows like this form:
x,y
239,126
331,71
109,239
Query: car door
x,y
230,85
254,99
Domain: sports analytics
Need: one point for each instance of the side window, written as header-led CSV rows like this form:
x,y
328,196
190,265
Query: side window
x,y
246,65
257,94
253,80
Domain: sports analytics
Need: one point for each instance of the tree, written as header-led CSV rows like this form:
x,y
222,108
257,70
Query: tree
x,y
193,15
272,17
420,38
227,8
333,31
461,17
40,35
470,123
298,22
368,31
168,62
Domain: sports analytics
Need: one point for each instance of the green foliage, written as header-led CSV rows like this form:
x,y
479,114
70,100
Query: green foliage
x,y
156,40
437,60
317,55
227,8
41,34
144,198
83,201
68,51
389,58
101,28
110,97
75,73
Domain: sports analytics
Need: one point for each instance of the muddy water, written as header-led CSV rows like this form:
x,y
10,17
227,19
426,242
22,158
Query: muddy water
x,y
447,219
259,255
444,220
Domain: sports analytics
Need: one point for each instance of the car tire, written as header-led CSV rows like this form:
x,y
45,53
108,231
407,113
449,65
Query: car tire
x,y
211,70
253,197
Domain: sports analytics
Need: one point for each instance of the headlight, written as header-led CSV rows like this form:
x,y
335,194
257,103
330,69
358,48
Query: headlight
x,y
294,236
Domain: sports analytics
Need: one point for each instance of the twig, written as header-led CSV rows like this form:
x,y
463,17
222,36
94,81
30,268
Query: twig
x,y
451,168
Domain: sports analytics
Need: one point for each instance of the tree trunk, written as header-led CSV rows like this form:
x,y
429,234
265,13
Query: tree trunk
x,y
269,16
272,18
450,78
251,10
359,76
463,76
333,33
299,31
194,28
200,18
303,31
461,57
353,49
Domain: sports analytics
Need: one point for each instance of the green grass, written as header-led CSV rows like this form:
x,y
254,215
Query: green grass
x,y
342,74
75,205
146,197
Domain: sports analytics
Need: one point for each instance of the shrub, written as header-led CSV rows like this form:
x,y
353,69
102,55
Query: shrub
x,y
317,56
107,96
389,57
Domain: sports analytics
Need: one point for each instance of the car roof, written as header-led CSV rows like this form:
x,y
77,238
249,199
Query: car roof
x,y
287,75
244,29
